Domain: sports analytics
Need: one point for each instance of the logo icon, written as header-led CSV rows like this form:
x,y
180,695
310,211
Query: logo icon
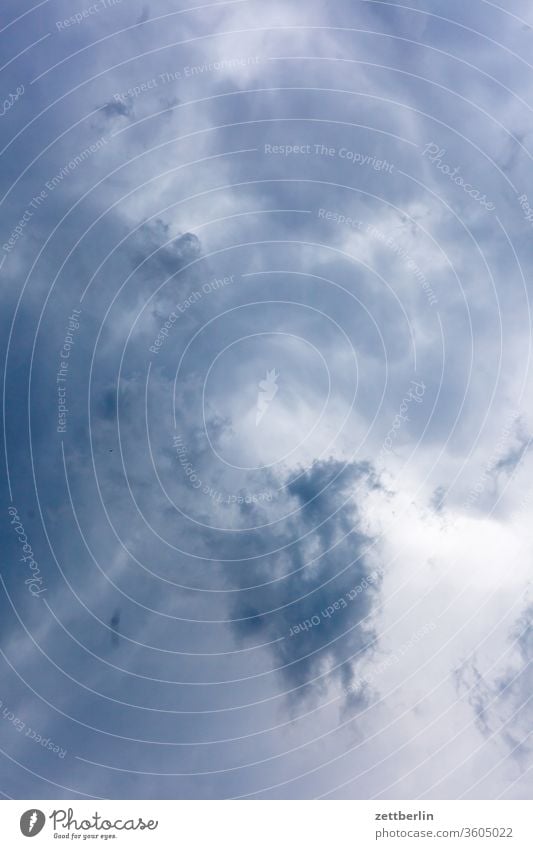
x,y
268,390
32,822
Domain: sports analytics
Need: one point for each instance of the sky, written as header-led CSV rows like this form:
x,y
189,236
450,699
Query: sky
x,y
266,340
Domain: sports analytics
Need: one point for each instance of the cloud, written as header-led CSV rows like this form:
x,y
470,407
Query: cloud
x,y
221,590
502,701
316,574
116,109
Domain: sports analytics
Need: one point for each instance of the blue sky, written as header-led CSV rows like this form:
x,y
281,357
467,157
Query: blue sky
x,y
266,337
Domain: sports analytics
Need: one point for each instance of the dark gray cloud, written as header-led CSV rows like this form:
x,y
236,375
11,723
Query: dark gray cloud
x,y
294,592
116,108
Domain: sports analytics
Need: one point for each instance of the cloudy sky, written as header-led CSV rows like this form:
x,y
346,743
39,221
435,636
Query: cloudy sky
x,y
266,335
